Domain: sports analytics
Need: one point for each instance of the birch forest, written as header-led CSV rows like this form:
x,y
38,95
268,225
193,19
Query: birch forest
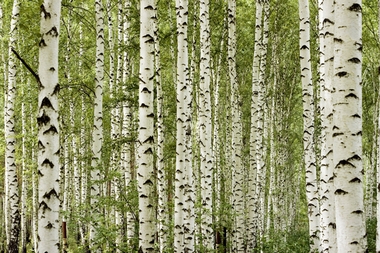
x,y
178,126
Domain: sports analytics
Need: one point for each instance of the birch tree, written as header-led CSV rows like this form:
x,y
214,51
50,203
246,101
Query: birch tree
x,y
145,173
97,133
236,137
206,163
253,201
327,202
184,192
11,180
347,129
48,129
308,119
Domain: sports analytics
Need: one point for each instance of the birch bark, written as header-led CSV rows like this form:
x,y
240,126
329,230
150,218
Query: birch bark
x,y
11,180
97,133
204,117
308,121
48,126
184,221
145,173
347,128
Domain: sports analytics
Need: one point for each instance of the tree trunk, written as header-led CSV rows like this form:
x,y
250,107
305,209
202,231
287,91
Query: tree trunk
x,y
97,134
347,129
205,138
145,173
11,179
48,125
308,121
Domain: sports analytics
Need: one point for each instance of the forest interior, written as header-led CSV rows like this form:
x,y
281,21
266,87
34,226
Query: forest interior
x,y
190,126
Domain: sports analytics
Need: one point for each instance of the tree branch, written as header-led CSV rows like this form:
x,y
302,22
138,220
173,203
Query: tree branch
x,y
27,66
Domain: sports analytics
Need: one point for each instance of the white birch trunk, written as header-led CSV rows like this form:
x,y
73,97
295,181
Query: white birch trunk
x,y
97,133
253,202
48,125
236,138
184,221
127,125
24,184
205,138
308,122
327,199
347,128
11,180
145,173
162,185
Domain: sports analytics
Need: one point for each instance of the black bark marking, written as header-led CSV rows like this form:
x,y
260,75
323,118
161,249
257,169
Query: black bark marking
x,y
338,40
40,145
44,206
47,162
53,32
378,187
304,47
355,180
49,226
354,60
145,89
355,7
148,182
344,163
49,194
356,116
149,140
326,20
149,7
42,43
44,119
355,157
354,242
342,74
358,212
337,134
151,115
43,10
52,129
148,151
351,95
56,89
46,102
340,192
144,105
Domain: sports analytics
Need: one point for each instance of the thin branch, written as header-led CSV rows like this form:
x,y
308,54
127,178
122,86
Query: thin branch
x,y
27,66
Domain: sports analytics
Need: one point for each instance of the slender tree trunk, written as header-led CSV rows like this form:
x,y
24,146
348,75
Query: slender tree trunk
x,y
145,173
184,221
126,150
347,130
48,125
162,187
237,168
205,138
308,121
327,198
97,134
253,202
11,179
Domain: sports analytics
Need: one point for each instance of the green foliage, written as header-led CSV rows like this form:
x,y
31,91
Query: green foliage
x,y
371,234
